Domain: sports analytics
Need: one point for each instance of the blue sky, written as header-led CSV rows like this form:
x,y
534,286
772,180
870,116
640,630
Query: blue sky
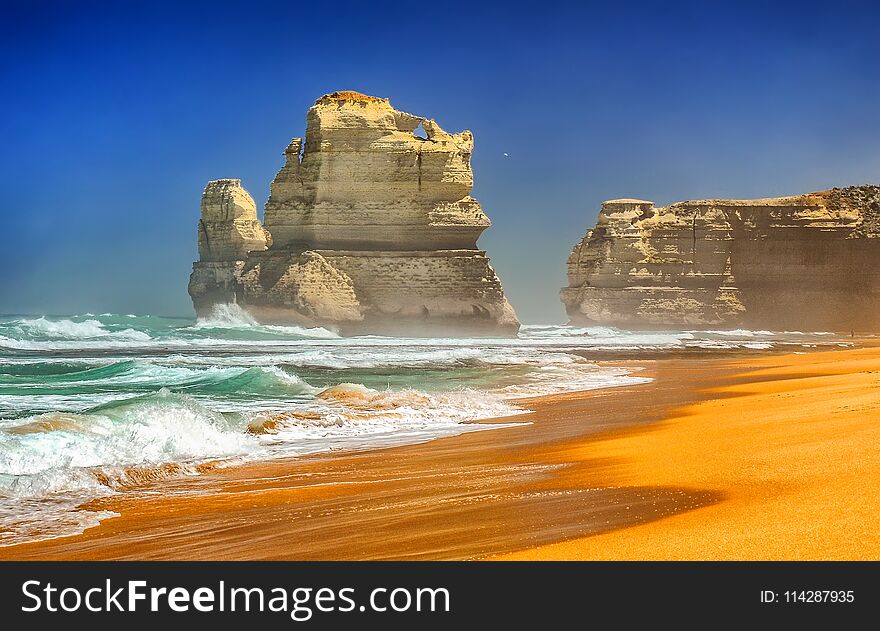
x,y
114,115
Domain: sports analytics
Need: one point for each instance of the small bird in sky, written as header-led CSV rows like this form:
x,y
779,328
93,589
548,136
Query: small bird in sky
x,y
506,156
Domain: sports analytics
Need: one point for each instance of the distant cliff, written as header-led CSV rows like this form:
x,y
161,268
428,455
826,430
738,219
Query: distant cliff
x,y
808,262
369,227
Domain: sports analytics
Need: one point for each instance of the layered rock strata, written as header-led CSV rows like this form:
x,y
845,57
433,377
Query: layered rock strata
x,y
373,229
807,262
228,231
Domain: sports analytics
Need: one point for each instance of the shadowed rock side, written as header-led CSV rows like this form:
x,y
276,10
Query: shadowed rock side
x,y
373,230
808,262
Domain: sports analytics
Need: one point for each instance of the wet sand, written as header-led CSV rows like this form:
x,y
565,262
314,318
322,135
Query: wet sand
x,y
766,456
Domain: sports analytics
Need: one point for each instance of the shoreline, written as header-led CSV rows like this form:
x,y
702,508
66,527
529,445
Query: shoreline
x,y
584,479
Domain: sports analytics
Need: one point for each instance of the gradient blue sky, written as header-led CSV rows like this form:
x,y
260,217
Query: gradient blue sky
x,y
114,115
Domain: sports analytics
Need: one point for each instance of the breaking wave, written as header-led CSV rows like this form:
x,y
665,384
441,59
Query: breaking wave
x,y
44,329
228,315
232,317
67,459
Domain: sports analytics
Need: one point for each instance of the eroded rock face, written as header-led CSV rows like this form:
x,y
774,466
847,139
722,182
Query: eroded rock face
x,y
228,231
805,262
364,180
298,287
229,228
373,229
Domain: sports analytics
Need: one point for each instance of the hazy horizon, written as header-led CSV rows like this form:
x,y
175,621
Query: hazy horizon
x,y
115,117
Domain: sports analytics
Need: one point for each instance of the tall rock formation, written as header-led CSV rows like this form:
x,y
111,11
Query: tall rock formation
x,y
807,262
373,229
228,231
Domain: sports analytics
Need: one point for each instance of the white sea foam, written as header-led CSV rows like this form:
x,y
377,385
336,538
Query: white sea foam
x,y
67,459
227,336
228,315
739,333
556,379
158,428
65,329
41,332
41,518
232,316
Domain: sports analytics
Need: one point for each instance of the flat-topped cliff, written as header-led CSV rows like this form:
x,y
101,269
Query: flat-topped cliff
x,y
369,227
806,262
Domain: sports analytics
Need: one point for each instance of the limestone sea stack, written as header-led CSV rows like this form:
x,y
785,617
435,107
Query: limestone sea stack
x,y
806,263
369,228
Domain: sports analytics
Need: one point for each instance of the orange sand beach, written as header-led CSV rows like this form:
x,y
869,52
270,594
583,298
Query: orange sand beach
x,y
747,457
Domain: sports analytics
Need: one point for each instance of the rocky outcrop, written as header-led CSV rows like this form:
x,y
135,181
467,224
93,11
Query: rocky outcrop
x,y
228,231
373,229
229,228
807,262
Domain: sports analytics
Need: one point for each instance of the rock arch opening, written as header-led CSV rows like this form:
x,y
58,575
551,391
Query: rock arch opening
x,y
420,133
